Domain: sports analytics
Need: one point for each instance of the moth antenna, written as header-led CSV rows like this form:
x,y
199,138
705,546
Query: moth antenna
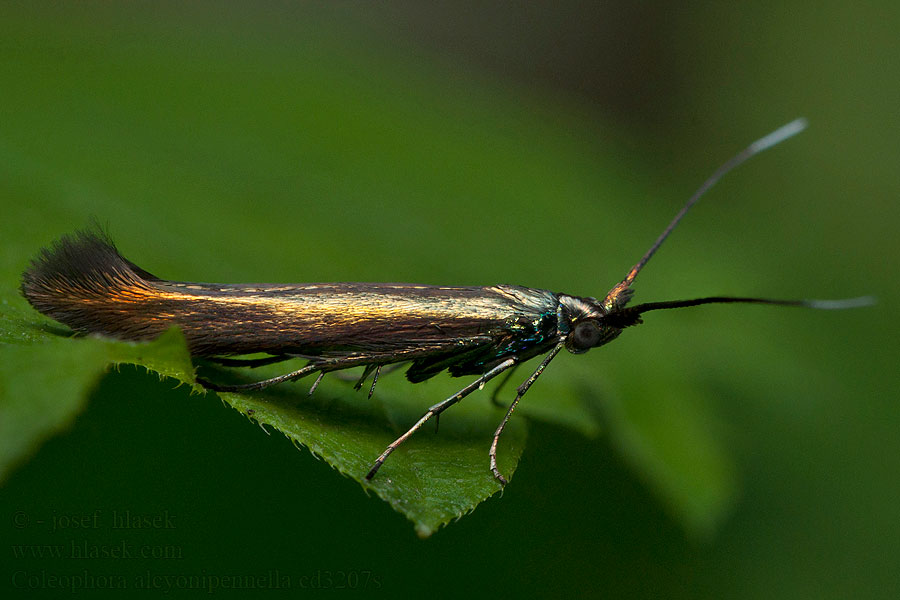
x,y
841,304
763,143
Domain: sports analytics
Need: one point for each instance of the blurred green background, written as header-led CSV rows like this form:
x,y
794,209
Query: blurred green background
x,y
469,144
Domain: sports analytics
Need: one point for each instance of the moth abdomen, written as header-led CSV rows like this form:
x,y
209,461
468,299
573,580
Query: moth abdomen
x,y
82,281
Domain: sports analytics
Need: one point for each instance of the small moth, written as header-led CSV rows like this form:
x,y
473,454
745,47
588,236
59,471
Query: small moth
x,y
83,282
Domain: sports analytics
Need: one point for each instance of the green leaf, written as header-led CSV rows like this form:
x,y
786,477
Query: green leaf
x,y
351,164
432,479
46,379
668,439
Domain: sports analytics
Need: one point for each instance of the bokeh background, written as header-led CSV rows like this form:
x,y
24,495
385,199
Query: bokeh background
x,y
459,143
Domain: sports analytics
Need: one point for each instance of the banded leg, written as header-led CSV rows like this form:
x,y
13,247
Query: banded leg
x,y
369,370
365,375
322,365
385,369
377,369
315,384
520,391
374,381
259,385
438,409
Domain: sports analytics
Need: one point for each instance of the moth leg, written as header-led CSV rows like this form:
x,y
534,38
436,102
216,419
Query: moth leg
x,y
316,383
385,368
377,369
520,391
249,362
374,381
259,385
365,375
438,409
324,366
495,395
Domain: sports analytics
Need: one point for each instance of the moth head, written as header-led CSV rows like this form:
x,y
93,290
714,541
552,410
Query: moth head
x,y
591,324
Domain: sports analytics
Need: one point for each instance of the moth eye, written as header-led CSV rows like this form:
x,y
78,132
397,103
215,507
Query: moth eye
x,y
586,335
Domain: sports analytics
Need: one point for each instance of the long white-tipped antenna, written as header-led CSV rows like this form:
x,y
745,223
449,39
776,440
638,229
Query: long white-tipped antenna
x,y
817,304
619,296
763,143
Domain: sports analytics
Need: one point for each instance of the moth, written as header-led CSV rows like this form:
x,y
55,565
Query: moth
x,y
84,282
